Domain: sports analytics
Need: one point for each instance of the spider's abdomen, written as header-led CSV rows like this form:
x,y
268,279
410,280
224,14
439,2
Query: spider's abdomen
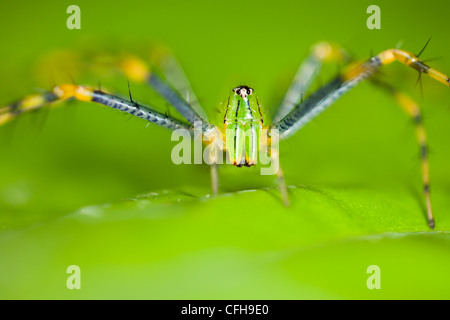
x,y
243,124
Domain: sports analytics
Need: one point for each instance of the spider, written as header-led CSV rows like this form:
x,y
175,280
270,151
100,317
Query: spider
x,y
242,119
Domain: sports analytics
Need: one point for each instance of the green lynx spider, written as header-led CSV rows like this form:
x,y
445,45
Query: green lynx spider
x,y
243,110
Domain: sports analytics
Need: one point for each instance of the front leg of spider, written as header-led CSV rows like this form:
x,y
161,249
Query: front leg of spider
x,y
317,102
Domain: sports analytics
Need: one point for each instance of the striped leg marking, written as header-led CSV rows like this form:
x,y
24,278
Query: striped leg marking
x,y
410,60
136,70
81,93
328,94
29,103
413,110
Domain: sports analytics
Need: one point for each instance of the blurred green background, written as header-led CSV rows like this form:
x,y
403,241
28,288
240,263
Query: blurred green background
x,y
88,186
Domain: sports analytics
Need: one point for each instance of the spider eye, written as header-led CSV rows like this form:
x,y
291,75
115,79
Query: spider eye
x,y
243,91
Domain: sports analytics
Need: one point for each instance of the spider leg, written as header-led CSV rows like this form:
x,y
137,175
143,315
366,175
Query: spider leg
x,y
176,76
138,71
29,103
306,73
275,157
329,93
214,178
269,145
81,93
412,109
320,53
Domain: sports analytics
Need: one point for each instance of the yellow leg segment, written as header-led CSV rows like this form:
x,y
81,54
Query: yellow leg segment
x,y
389,56
329,52
29,103
135,69
67,91
37,101
410,60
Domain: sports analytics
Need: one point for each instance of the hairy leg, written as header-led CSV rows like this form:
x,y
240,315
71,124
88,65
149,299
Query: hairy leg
x,y
315,104
70,91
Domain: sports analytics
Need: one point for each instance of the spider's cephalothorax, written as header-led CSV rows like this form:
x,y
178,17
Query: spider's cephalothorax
x,y
242,123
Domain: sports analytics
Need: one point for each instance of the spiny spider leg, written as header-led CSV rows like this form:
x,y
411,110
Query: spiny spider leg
x,y
177,78
328,94
306,73
138,71
81,93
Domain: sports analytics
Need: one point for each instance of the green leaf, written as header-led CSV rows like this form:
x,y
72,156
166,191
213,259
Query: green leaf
x,y
241,245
